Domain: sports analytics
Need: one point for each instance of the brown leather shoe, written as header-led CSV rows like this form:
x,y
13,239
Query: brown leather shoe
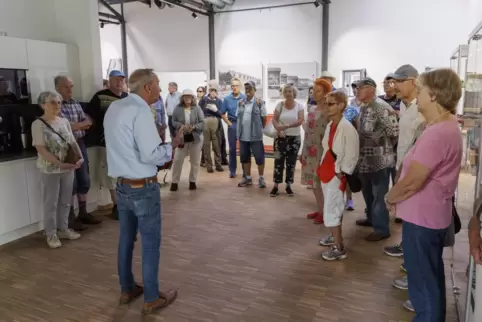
x,y
126,298
164,300
88,219
77,225
363,223
374,237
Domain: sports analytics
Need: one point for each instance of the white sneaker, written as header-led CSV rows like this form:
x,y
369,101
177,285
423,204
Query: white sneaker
x,y
408,306
69,234
53,241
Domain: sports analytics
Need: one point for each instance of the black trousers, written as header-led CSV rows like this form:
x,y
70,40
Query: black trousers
x,y
285,154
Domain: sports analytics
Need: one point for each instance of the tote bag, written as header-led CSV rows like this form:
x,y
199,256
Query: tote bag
x,y
269,129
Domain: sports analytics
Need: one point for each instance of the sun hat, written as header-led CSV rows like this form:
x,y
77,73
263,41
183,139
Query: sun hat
x,y
188,92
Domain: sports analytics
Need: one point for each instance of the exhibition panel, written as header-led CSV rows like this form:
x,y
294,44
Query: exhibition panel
x,y
472,116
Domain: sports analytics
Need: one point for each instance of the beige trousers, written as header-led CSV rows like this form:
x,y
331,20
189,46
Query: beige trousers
x,y
193,150
211,136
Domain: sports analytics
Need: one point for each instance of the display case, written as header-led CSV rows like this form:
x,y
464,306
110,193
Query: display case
x,y
472,117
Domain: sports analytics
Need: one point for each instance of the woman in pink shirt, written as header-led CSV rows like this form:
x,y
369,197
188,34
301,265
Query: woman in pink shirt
x,y
422,197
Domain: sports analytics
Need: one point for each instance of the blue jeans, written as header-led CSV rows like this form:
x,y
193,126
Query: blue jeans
x,y
422,251
139,209
374,189
82,176
232,139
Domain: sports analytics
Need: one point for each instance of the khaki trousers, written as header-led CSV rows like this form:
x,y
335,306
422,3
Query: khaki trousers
x,y
211,136
193,150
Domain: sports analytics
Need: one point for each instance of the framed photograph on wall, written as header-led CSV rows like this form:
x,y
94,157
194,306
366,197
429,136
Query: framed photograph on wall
x,y
244,73
301,75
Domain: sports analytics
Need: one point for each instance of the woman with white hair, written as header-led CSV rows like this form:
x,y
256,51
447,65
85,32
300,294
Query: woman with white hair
x,y
189,118
53,138
287,119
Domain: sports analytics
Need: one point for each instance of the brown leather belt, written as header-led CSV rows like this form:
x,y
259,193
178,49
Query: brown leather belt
x,y
137,182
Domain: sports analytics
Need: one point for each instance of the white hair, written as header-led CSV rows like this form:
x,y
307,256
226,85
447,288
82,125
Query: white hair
x,y
47,97
140,78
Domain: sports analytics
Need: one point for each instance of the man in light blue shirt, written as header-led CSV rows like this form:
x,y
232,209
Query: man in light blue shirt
x,y
229,112
134,151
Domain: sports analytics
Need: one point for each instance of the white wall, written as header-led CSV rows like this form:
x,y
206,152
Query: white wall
x,y
77,23
168,40
283,35
171,40
381,35
27,19
73,22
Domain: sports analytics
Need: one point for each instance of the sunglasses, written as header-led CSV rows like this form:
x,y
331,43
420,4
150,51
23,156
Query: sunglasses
x,y
331,103
200,91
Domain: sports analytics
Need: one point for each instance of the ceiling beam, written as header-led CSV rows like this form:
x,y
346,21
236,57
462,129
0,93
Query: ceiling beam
x,y
180,5
114,12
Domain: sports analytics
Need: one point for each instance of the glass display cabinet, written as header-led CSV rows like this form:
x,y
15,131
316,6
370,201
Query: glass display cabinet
x,y
470,182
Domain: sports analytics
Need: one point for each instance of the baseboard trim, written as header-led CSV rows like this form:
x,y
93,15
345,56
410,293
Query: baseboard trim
x,y
34,228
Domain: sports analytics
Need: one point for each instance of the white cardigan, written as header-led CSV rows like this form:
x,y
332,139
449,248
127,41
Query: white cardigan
x,y
346,146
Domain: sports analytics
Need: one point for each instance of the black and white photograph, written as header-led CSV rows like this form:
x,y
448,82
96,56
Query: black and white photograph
x,y
301,75
244,73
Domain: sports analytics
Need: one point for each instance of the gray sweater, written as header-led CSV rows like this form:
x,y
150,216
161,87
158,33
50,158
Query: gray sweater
x,y
196,120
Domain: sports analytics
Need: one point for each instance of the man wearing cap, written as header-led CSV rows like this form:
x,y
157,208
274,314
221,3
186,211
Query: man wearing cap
x,y
378,132
252,119
211,106
97,108
229,112
330,78
172,101
390,95
411,125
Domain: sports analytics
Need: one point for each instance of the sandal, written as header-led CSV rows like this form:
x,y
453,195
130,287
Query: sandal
x,y
164,300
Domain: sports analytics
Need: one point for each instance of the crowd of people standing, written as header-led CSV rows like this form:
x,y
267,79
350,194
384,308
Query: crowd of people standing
x,y
409,136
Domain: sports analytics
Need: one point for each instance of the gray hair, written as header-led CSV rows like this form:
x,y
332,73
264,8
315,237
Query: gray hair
x,y
60,78
140,78
172,84
289,86
47,97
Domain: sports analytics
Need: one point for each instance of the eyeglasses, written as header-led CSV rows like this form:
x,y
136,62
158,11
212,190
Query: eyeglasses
x,y
56,102
331,103
200,91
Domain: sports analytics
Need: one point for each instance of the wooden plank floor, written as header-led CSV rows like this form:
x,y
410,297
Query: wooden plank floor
x,y
234,254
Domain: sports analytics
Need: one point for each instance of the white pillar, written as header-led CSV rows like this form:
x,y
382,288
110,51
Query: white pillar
x,y
78,24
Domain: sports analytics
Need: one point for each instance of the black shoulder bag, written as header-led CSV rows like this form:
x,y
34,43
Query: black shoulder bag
x,y
72,156
353,180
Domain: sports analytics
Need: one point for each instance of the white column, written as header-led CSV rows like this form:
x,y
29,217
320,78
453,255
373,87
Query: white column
x,y
77,23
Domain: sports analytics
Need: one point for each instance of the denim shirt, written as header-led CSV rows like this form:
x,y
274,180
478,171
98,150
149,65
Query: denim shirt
x,y
257,114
